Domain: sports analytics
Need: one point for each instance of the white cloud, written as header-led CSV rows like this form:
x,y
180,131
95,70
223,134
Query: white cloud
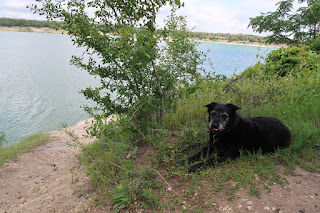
x,y
16,4
18,15
260,5
17,9
219,16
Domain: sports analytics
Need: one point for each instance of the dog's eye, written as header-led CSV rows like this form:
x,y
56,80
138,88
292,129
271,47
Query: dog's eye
x,y
224,116
214,113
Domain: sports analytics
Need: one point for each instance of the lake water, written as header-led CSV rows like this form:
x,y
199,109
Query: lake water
x,y
39,88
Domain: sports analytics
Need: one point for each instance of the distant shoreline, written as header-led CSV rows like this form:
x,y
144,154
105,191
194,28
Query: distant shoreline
x,y
50,30
239,43
30,29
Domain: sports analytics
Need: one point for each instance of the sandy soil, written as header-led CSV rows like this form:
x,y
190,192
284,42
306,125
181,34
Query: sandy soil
x,y
49,179
301,195
239,43
31,29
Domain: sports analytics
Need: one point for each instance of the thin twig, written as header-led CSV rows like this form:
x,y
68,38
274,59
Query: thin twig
x,y
176,133
135,127
232,81
135,112
169,187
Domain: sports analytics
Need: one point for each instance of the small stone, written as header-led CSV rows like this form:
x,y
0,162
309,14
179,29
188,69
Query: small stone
x,y
226,209
195,195
267,208
257,177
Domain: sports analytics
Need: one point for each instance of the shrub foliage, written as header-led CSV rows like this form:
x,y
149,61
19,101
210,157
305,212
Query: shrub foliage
x,y
140,68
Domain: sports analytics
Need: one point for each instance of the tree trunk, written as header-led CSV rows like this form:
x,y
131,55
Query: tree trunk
x,y
161,95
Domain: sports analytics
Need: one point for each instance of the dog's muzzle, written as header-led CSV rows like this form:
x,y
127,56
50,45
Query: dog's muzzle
x,y
216,128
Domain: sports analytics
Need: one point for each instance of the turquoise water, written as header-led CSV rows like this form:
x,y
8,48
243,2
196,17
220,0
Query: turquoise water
x,y
39,88
230,59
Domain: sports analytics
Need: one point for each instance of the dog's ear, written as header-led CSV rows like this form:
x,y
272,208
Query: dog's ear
x,y
211,105
233,107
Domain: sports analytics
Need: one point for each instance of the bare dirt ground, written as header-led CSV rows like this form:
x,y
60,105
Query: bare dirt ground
x,y
49,179
301,195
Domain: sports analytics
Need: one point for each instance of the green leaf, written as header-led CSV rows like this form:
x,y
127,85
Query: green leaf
x,y
144,205
306,71
122,206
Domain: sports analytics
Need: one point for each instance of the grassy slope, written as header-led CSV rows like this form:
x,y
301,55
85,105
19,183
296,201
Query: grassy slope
x,y
26,145
141,174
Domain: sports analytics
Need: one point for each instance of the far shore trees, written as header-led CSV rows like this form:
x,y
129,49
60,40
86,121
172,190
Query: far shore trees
x,y
14,22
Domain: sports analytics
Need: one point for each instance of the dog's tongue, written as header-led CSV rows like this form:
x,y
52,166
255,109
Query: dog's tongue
x,y
215,129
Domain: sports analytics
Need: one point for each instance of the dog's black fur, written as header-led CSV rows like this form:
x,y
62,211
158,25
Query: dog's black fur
x,y
230,133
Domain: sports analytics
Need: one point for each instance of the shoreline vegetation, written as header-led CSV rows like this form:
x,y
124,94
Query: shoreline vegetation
x,y
204,40
13,151
10,152
23,25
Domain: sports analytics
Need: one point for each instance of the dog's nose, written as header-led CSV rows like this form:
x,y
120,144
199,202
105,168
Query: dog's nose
x,y
214,125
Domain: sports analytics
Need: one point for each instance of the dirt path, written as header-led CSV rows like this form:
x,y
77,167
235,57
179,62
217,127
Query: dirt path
x,y
47,179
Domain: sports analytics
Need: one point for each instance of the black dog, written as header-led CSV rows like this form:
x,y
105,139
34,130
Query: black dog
x,y
230,133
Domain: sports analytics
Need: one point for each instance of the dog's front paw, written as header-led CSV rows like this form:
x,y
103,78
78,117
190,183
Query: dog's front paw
x,y
180,163
195,168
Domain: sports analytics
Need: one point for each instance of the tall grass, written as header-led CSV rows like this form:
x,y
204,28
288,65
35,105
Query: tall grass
x,y
294,99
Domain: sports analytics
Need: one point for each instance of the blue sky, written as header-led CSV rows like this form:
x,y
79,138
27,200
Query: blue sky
x,y
215,16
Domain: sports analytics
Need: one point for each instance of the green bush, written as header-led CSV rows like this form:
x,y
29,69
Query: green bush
x,y
315,44
285,61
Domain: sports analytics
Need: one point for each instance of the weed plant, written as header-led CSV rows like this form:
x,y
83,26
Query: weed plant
x,y
111,170
2,139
